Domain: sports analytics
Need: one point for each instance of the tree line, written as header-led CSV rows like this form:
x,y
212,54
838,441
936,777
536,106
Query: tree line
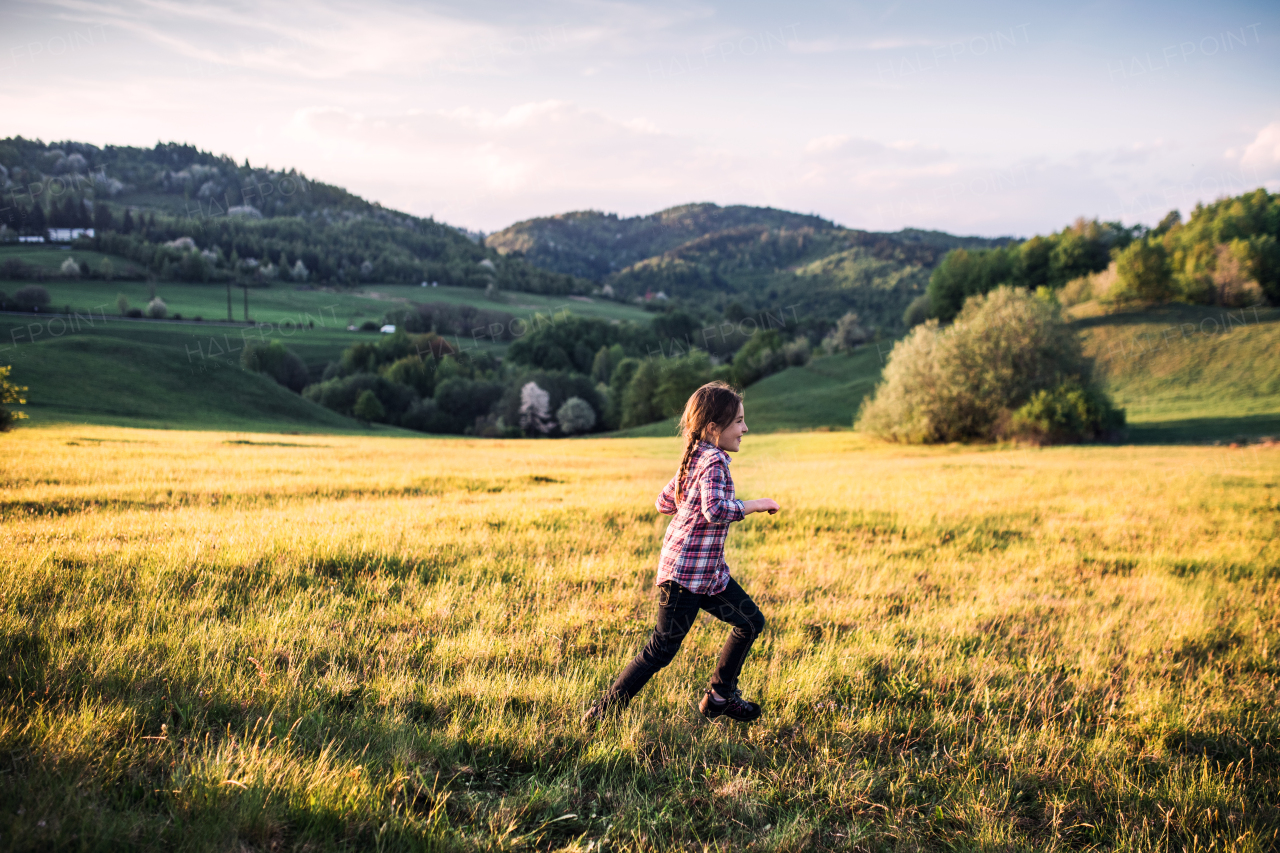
x,y
1226,253
564,375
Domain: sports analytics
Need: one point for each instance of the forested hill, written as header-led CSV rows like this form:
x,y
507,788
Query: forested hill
x,y
246,221
739,258
592,244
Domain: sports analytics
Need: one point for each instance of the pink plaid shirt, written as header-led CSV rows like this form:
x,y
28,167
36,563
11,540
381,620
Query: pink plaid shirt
x,y
693,548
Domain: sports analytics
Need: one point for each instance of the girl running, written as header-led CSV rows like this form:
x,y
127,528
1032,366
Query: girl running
x,y
692,574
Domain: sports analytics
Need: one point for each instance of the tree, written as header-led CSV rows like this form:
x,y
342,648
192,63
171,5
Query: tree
x,y
70,268
575,416
368,408
847,335
917,312
122,304
32,296
965,382
126,225
277,361
535,414
10,394
102,219
156,309
639,405
1143,272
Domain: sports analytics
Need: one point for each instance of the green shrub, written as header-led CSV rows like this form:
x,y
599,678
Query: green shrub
x,y
277,361
368,409
917,312
963,382
575,416
1068,414
9,394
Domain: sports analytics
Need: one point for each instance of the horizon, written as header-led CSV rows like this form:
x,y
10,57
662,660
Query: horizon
x,y
998,121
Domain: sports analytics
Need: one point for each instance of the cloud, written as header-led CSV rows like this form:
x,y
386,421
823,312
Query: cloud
x,y
534,158
1264,151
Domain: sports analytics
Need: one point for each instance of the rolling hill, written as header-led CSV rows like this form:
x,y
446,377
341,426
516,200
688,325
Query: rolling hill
x,y
1183,374
739,259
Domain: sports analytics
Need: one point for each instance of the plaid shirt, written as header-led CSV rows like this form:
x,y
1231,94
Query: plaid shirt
x,y
693,548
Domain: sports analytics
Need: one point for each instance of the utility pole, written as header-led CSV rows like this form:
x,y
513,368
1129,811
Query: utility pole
x,y
229,317
246,303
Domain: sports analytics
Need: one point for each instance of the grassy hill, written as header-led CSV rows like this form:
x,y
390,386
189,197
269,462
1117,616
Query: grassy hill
x,y
1175,370
155,374
1191,372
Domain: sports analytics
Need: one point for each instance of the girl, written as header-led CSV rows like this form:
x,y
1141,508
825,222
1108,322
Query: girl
x,y
692,574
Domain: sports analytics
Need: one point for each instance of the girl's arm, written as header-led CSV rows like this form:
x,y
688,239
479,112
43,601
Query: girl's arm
x,y
667,499
717,506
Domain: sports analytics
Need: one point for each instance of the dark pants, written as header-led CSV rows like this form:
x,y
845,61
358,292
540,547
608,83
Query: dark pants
x,y
677,610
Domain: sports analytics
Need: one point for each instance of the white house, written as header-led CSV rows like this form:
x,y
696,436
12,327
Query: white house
x,y
66,235
388,329
26,239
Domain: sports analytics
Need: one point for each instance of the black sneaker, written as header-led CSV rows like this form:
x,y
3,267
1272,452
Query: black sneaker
x,y
608,705
735,708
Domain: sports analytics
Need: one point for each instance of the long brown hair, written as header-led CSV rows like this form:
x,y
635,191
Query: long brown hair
x,y
714,403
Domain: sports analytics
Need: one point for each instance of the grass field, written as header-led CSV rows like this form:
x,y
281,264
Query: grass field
x,y
282,301
229,641
1191,373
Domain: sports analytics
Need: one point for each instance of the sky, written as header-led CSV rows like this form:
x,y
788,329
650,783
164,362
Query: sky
x,y
983,118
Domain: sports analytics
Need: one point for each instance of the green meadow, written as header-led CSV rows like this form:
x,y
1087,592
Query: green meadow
x,y
238,641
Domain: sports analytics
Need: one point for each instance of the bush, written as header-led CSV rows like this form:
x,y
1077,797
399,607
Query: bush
x,y
156,309
847,334
575,416
32,296
342,393
917,312
964,382
133,312
1067,414
425,416
9,394
69,268
761,356
277,361
16,269
461,401
368,409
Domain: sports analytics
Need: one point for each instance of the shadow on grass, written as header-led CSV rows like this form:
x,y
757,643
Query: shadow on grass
x,y
1202,430
1174,314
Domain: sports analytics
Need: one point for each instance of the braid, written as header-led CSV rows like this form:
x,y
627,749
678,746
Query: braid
x,y
691,441
714,403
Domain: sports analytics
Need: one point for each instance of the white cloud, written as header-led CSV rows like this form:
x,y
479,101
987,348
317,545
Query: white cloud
x,y
1264,151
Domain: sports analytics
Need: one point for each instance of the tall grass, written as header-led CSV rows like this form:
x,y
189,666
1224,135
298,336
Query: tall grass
x,y
216,641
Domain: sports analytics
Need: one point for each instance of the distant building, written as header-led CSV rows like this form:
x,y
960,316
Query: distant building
x,y
66,235
25,239
388,329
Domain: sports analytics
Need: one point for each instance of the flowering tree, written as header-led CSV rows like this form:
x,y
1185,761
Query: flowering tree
x,y
535,409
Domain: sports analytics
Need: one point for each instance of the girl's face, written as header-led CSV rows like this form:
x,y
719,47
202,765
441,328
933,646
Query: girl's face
x,y
730,438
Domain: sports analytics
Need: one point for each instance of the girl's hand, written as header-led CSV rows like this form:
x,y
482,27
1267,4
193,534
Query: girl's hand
x,y
762,505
